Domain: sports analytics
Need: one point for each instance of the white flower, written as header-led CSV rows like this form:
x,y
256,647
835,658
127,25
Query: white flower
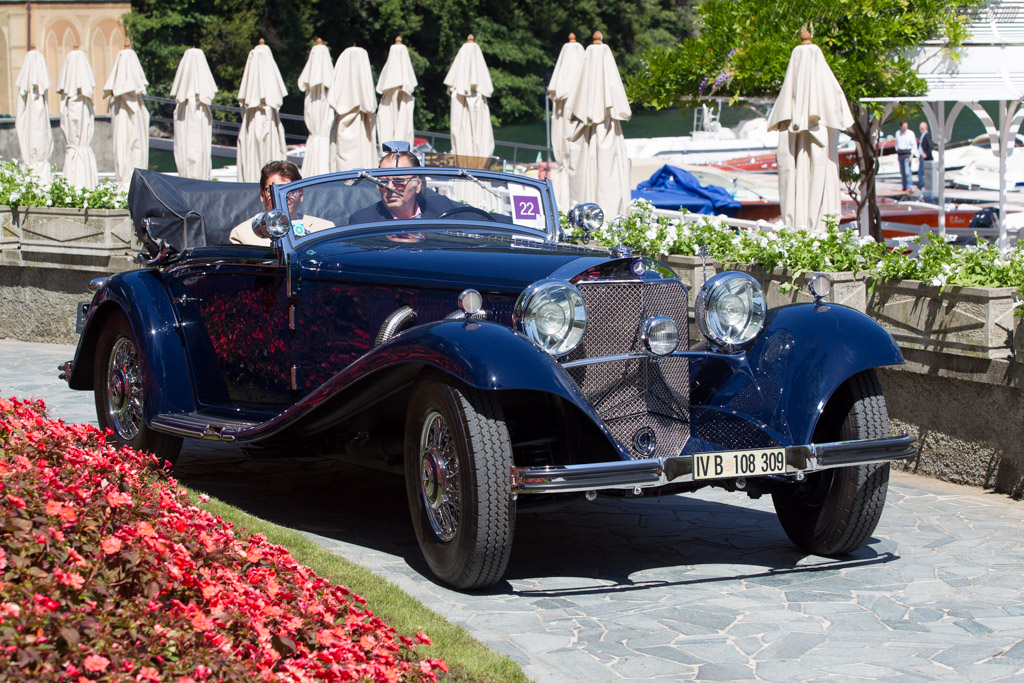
x,y
939,281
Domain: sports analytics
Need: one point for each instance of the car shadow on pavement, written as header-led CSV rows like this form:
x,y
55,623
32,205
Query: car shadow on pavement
x,y
610,544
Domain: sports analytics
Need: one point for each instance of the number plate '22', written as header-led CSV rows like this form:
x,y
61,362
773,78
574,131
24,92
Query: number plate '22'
x,y
752,463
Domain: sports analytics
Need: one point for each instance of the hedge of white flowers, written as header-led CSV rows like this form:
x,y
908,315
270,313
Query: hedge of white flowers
x,y
936,261
20,187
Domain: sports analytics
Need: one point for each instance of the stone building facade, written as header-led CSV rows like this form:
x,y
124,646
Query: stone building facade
x,y
56,28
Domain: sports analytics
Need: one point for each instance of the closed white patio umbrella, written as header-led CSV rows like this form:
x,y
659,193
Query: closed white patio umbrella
x,y
809,114
75,86
126,85
32,118
260,95
469,84
564,80
315,81
193,90
354,136
396,82
598,165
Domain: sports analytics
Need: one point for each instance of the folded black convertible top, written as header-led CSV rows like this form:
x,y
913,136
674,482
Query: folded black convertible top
x,y
188,213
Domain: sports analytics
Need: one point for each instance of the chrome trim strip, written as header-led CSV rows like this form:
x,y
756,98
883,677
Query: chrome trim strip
x,y
631,474
634,355
634,281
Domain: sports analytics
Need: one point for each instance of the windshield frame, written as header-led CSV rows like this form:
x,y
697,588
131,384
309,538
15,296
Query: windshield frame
x,y
552,231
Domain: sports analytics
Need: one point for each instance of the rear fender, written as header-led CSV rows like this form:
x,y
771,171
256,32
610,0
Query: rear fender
x,y
804,355
140,297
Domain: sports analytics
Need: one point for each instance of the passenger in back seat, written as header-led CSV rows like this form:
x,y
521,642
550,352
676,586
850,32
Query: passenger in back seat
x,y
278,173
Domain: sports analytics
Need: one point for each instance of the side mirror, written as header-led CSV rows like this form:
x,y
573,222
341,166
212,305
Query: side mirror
x,y
272,225
586,217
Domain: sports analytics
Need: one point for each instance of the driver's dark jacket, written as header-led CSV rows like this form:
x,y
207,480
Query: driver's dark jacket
x,y
431,205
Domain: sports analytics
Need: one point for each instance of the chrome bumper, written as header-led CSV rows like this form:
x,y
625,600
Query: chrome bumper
x,y
631,474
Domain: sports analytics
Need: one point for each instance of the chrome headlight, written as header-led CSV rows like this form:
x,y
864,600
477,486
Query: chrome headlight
x,y
552,314
730,309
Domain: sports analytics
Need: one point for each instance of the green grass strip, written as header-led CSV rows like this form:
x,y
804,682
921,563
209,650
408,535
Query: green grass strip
x,y
469,661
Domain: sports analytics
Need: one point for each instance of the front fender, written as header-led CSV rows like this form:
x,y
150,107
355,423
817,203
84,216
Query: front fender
x,y
485,355
805,353
141,297
482,354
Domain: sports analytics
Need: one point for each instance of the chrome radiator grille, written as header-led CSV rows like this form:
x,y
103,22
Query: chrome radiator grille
x,y
645,396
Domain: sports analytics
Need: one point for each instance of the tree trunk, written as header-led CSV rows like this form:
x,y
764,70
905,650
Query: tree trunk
x,y
863,134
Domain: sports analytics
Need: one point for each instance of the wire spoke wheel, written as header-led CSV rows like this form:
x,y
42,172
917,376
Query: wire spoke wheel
x,y
124,389
119,385
439,477
457,461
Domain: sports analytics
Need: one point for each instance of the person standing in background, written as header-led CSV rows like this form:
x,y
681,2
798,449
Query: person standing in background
x,y
906,146
924,149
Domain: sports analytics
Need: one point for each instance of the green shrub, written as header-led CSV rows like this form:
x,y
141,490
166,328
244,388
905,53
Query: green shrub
x,y
20,187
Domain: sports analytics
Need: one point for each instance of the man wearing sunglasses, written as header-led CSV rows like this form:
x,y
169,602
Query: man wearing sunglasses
x,y
278,173
402,196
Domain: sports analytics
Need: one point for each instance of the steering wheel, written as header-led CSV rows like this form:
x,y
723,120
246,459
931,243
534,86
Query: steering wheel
x,y
466,207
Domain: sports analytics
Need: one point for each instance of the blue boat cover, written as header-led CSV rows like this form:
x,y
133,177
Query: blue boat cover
x,y
671,188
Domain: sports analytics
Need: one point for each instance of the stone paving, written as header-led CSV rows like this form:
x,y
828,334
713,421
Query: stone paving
x,y
704,587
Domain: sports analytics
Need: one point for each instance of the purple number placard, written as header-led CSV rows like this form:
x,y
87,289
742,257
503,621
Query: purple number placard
x,y
525,207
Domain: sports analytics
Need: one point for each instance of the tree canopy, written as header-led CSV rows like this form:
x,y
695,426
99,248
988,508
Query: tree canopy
x,y
743,47
520,40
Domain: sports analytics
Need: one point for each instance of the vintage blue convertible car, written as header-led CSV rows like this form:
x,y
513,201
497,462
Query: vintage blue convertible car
x,y
495,362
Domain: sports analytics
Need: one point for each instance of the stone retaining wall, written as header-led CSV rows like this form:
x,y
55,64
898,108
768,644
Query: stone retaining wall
x,y
961,391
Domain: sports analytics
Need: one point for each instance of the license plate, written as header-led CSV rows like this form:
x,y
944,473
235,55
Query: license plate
x,y
749,463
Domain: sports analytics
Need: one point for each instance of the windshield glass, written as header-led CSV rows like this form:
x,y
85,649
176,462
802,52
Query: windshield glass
x,y
415,195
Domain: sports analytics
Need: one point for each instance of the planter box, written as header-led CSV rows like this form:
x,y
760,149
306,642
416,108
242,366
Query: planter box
x,y
691,272
966,321
65,234
848,289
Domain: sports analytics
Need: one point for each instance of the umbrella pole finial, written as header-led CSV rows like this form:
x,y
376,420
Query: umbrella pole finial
x,y
805,36
319,41
572,37
598,38
470,38
262,42
398,40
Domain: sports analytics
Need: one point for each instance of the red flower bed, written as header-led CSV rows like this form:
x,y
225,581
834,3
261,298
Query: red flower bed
x,y
108,572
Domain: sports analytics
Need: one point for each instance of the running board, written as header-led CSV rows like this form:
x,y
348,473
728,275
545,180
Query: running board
x,y
200,426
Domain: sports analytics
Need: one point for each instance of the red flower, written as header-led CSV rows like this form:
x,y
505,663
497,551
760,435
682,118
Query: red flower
x,y
96,663
111,545
148,673
117,499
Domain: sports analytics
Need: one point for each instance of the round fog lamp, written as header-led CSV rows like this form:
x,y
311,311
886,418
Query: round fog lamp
x,y
471,302
821,285
660,334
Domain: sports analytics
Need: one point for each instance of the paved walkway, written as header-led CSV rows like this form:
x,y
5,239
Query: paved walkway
x,y
701,587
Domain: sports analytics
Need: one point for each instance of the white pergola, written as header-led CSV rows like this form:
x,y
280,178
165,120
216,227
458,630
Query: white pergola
x,y
989,67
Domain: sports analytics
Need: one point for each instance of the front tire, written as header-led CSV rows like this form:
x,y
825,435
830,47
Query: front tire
x,y
119,389
457,461
835,511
